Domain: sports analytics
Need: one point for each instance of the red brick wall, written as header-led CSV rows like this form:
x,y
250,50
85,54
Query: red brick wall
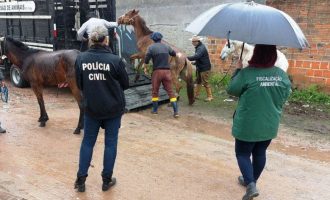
x,y
309,66
214,47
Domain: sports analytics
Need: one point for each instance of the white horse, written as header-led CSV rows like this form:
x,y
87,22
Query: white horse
x,y
236,48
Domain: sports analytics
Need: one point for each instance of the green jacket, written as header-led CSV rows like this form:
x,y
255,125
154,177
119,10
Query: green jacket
x,y
262,94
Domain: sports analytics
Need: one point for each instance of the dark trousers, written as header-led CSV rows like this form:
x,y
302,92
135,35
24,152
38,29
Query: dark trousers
x,y
251,170
91,130
162,76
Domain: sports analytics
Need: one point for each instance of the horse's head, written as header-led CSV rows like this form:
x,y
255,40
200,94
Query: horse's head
x,y
128,18
230,48
227,50
14,50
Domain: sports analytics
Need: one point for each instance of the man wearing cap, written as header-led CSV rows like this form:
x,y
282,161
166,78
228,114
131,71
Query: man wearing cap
x,y
91,23
203,67
159,53
2,84
102,78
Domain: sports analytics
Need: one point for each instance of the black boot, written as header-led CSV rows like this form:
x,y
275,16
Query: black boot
x,y
80,184
108,182
2,130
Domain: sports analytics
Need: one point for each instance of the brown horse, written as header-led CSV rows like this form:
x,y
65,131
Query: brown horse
x,y
42,68
180,65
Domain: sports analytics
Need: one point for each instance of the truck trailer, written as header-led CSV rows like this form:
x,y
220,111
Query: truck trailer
x,y
52,25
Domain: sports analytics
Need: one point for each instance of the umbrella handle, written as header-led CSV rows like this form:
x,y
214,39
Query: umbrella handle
x,y
242,51
228,41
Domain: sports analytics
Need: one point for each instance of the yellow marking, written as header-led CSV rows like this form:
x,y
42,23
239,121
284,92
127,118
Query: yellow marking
x,y
154,99
173,99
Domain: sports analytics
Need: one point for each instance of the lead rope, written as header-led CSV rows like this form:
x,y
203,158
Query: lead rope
x,y
230,67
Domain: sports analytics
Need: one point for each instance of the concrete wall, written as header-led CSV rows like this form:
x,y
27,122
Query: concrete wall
x,y
170,17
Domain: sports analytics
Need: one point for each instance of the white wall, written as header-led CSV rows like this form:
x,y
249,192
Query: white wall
x,y
170,17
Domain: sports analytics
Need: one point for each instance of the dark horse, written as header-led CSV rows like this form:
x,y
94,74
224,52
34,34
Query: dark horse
x,y
42,68
180,65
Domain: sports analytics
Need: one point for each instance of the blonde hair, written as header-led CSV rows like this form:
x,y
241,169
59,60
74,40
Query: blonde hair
x,y
98,35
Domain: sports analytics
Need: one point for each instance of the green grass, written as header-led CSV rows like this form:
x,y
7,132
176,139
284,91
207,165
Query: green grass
x,y
311,95
219,106
218,80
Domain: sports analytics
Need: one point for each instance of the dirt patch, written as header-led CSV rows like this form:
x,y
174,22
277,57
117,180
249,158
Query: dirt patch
x,y
159,157
290,141
307,110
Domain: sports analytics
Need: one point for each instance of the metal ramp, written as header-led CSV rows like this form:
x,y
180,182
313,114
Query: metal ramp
x,y
140,96
139,93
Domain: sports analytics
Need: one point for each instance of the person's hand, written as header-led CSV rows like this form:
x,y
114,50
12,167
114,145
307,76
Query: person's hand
x,y
84,39
239,64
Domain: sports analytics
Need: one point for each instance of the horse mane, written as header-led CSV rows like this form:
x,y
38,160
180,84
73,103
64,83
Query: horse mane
x,y
281,61
238,45
145,28
21,45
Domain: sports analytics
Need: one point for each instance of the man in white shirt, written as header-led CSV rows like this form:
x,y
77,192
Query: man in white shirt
x,y
91,23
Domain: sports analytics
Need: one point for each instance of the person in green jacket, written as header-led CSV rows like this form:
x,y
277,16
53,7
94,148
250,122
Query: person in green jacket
x,y
262,89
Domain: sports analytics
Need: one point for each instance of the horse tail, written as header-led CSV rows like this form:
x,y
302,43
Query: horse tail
x,y
189,82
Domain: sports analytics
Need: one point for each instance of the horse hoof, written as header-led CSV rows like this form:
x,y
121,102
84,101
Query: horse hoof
x,y
42,124
43,119
76,132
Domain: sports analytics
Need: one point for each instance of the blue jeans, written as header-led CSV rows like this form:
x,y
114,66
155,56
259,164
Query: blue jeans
x,y
91,130
251,170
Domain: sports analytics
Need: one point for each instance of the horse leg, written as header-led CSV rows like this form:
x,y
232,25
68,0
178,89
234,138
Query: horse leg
x,y
141,62
189,82
78,96
135,56
138,70
43,114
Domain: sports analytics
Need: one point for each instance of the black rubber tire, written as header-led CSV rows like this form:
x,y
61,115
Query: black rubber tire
x,y
16,77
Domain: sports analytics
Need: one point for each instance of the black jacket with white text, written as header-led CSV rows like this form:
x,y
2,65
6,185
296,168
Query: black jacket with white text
x,y
102,78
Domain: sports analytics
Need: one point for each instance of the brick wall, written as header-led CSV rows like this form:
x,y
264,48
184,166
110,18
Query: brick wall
x,y
215,46
309,66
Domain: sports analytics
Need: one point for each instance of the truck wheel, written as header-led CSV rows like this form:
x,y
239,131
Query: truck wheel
x,y
16,77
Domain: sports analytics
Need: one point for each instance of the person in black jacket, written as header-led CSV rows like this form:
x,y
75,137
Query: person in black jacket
x,y
102,78
203,67
2,84
159,53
